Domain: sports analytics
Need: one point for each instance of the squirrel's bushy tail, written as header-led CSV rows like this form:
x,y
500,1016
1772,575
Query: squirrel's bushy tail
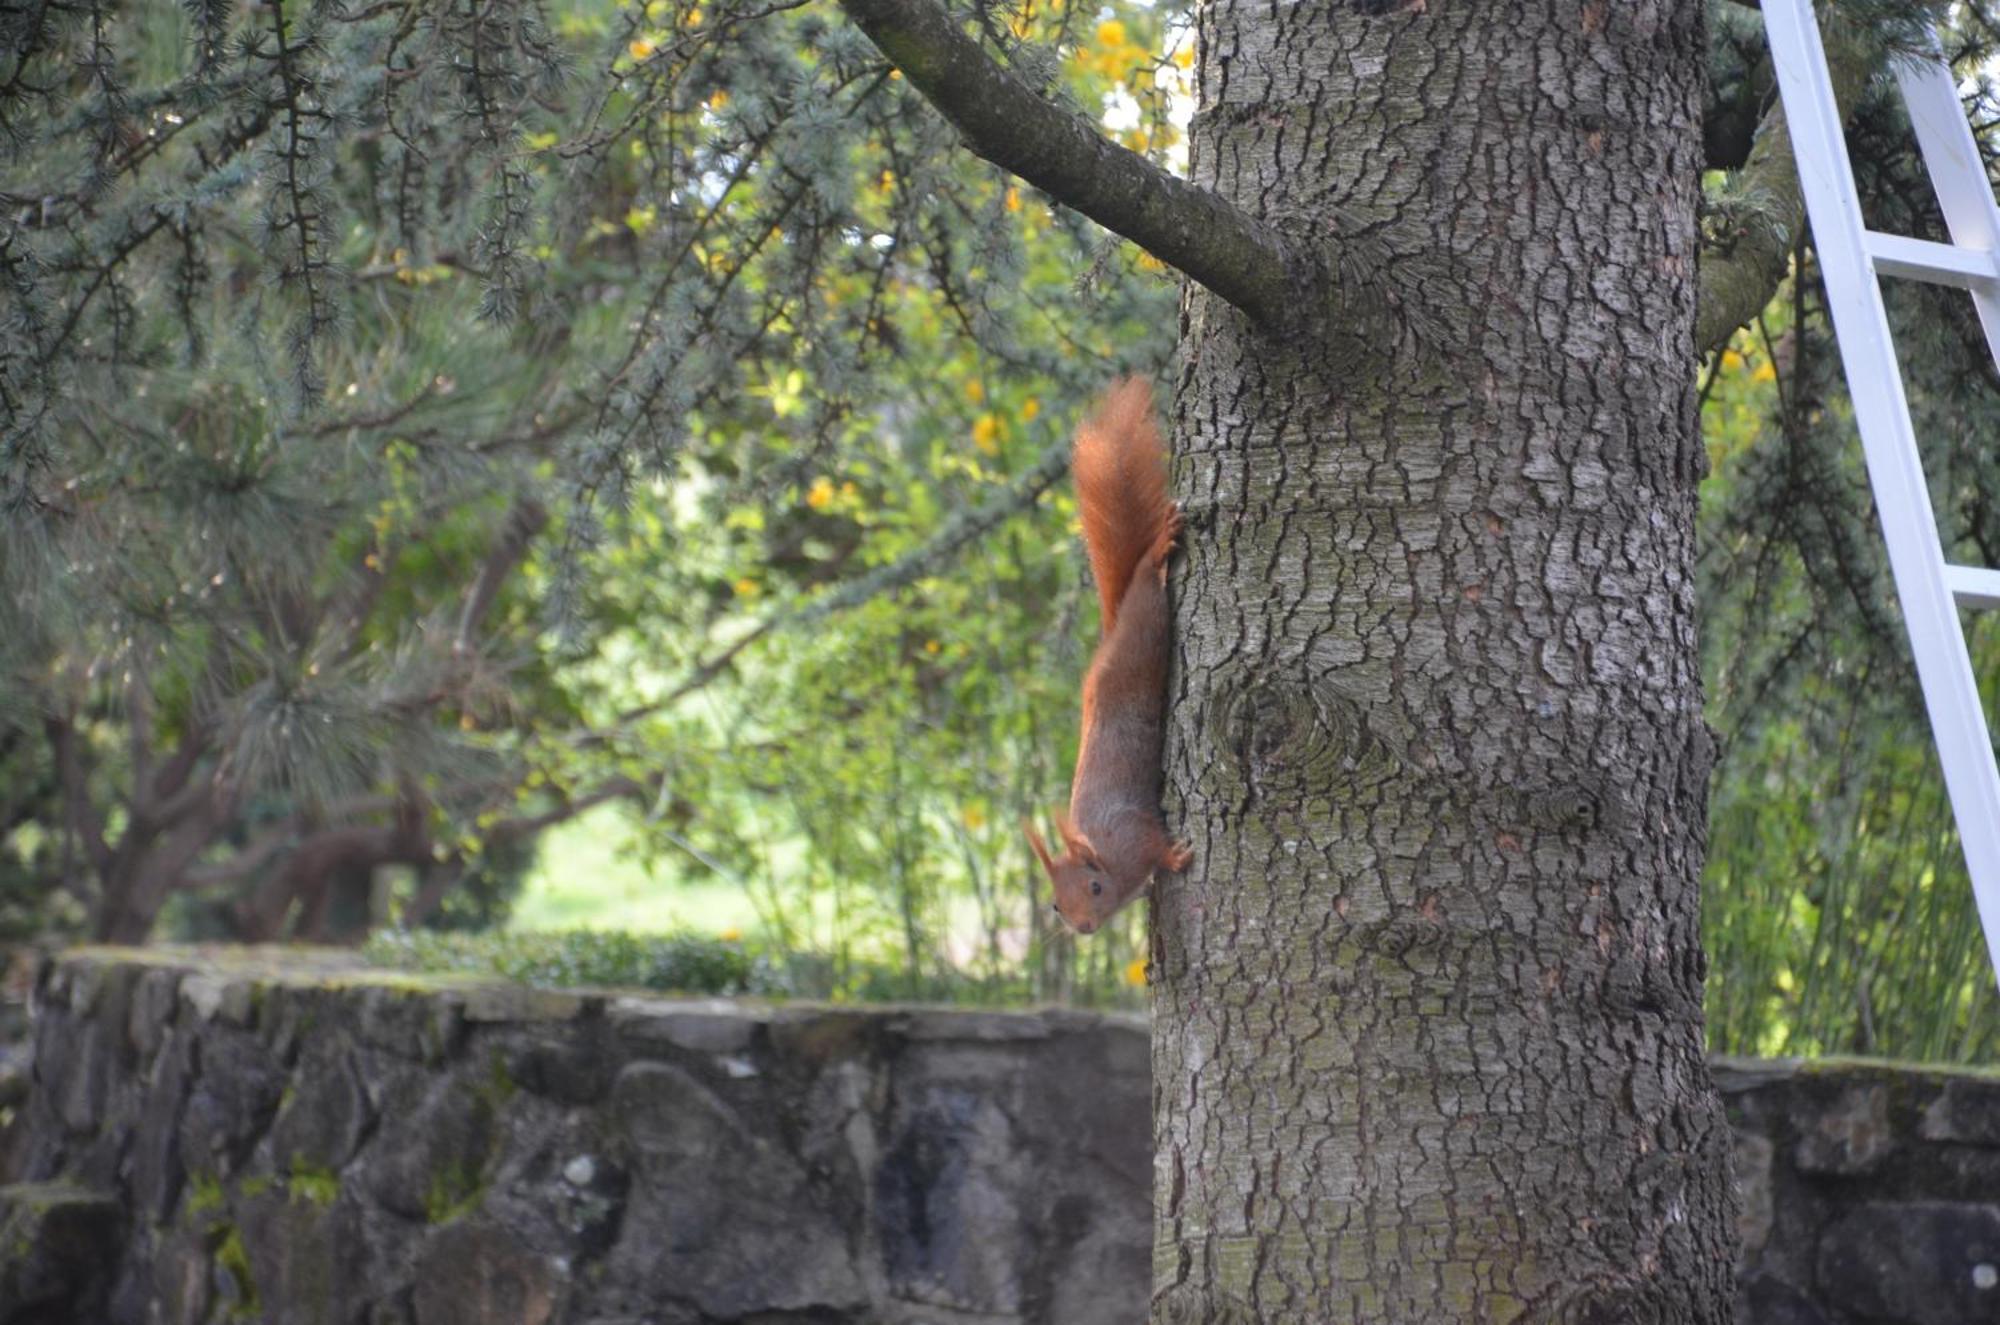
x,y
1121,488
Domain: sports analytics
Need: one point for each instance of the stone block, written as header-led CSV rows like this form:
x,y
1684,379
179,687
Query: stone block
x,y
1933,1262
55,1244
475,1273
1966,1110
1849,1135
1768,1300
764,1239
306,1257
947,1217
1752,1163
235,1091
433,1148
703,1026
155,998
323,1127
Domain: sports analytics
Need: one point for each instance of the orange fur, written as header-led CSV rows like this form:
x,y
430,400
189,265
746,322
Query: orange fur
x,y
1113,839
1121,487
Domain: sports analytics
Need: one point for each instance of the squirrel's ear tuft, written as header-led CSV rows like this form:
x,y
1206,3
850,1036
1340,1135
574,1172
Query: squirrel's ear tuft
x,y
1041,848
1077,844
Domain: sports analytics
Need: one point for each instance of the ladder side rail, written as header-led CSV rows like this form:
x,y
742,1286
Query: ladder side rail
x,y
1957,171
1895,469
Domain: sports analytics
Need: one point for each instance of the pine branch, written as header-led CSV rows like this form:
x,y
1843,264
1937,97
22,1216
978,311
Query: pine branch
x,y
1058,151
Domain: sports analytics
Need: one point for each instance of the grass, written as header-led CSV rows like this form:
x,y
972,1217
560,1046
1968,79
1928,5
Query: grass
x,y
588,876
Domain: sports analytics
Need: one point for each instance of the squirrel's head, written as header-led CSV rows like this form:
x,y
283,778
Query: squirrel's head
x,y
1086,894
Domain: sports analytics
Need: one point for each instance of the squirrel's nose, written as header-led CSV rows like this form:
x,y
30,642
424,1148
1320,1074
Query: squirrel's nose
x,y
1086,926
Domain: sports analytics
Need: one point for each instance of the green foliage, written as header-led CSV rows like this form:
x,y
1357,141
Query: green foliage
x,y
418,425
699,964
316,306
681,964
1838,914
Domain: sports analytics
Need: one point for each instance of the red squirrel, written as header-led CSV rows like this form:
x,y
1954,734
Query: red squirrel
x,y
1113,837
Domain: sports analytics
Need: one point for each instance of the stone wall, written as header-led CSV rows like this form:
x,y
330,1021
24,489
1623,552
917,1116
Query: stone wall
x,y
286,1137
1871,1192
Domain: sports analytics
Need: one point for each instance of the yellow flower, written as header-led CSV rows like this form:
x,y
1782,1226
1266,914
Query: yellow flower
x,y
986,434
694,17
1184,57
718,100
731,935
1029,409
1765,371
820,494
641,49
1147,262
931,646
975,390
746,587
1135,972
973,816
1013,200
1731,361
1111,33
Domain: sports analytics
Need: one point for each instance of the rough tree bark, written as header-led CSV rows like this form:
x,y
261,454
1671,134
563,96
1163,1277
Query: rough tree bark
x,y
1427,1020
1428,1039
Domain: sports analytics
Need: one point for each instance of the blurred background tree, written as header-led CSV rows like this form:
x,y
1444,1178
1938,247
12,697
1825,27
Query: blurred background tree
x,y
635,432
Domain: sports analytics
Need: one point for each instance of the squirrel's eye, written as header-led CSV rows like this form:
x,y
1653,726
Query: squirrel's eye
x,y
1097,887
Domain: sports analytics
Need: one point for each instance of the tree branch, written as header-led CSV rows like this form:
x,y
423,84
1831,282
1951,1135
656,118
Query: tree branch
x,y
524,521
86,826
951,538
1058,151
618,788
1761,210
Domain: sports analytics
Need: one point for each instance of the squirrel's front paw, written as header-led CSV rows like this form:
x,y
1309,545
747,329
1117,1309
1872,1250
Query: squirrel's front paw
x,y
1179,856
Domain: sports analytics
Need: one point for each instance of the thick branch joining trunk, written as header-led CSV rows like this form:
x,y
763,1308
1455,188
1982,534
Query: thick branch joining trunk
x,y
1004,121
1761,213
307,875
314,856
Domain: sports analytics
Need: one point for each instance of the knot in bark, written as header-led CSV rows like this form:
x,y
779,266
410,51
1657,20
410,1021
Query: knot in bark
x,y
1568,808
1300,737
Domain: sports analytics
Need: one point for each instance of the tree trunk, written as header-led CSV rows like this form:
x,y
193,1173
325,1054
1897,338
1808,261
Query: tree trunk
x,y
1428,1038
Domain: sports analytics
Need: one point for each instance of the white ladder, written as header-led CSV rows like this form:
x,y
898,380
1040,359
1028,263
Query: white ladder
x,y
1851,258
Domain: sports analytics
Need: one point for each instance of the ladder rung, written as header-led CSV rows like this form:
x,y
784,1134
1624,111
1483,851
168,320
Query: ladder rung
x,y
1973,586
1925,260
